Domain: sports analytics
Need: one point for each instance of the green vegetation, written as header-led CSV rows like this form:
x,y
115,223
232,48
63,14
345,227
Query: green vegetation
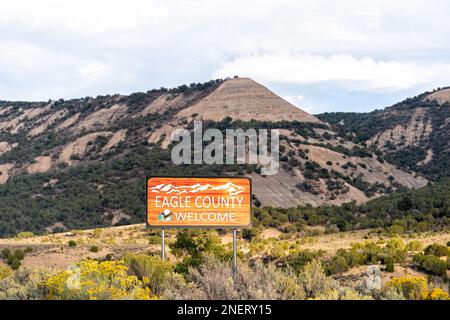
x,y
24,235
368,253
360,127
437,250
150,270
201,269
431,264
414,210
14,258
193,250
75,200
298,259
72,243
304,129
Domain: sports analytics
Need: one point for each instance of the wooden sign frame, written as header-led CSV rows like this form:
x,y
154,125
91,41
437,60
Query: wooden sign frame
x,y
213,226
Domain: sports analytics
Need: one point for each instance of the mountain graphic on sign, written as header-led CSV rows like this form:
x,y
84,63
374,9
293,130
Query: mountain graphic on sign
x,y
229,187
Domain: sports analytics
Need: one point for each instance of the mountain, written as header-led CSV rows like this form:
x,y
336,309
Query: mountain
x,y
80,163
245,99
413,134
239,98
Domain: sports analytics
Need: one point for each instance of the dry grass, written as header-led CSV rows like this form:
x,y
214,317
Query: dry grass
x,y
53,251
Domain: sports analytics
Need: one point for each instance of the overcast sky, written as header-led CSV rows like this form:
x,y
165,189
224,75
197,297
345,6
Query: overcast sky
x,y
320,55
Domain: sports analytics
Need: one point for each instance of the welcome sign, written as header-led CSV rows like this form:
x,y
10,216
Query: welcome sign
x,y
198,202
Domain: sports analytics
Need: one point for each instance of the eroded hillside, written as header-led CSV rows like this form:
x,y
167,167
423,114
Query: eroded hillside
x,y
413,134
82,162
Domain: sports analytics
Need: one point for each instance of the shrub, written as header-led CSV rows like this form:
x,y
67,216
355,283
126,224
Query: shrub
x,y
14,258
154,240
18,254
390,265
392,293
277,252
314,281
396,249
396,230
414,246
214,279
337,265
249,233
94,249
5,253
5,272
153,271
97,233
193,249
413,288
93,280
431,264
24,235
77,232
298,259
332,229
24,284
342,294
436,250
72,243
438,294
15,264
416,288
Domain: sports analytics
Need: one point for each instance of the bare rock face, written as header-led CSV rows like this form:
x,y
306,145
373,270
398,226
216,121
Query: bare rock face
x,y
5,171
245,99
412,133
42,164
440,96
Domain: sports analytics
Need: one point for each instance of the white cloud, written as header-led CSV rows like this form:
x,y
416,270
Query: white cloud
x,y
295,98
52,48
344,70
305,104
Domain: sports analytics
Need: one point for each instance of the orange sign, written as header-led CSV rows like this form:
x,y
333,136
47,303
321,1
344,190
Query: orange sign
x,y
198,202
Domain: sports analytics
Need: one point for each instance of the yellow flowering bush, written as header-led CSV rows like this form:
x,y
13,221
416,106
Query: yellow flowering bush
x,y
5,271
413,288
439,294
93,280
416,288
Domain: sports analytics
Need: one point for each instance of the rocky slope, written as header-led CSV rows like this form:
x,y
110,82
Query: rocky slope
x,y
413,134
83,162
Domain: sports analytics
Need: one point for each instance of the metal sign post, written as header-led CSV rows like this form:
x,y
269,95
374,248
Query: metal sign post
x,y
163,249
234,252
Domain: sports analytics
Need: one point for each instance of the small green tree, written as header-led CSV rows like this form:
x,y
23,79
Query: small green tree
x,y
390,265
436,250
15,264
72,243
19,254
6,253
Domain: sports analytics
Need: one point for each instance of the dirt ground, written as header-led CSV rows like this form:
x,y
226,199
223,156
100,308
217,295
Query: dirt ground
x,y
53,252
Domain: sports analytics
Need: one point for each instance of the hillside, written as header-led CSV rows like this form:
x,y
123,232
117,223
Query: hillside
x,y
80,163
246,100
413,134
